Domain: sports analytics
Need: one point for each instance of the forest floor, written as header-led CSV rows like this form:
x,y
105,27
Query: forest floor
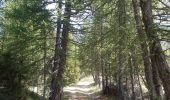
x,y
83,90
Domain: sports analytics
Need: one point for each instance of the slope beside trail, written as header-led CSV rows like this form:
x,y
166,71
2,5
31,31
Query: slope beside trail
x,y
83,90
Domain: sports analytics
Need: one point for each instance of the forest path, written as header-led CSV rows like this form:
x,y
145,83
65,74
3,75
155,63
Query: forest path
x,y
83,90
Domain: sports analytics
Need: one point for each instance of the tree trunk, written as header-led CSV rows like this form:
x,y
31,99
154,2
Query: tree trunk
x,y
45,69
163,70
60,53
157,56
145,51
103,76
131,65
140,86
54,95
121,8
156,80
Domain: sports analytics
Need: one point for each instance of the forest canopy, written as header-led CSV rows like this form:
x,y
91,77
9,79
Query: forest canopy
x,y
47,45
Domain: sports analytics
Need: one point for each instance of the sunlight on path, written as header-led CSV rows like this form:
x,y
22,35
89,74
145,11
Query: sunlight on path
x,y
83,90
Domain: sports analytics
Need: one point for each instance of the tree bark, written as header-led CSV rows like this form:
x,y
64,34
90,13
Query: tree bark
x,y
45,69
121,6
131,65
55,86
60,53
145,51
140,86
157,56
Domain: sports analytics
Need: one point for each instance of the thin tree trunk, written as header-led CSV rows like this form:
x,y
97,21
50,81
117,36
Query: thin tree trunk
x,y
106,78
136,72
110,76
45,54
103,80
101,55
120,84
132,77
140,86
121,4
156,80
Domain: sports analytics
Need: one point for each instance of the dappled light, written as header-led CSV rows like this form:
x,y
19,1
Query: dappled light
x,y
84,49
85,89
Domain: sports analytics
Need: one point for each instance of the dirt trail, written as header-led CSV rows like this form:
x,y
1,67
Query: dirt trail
x,y
83,90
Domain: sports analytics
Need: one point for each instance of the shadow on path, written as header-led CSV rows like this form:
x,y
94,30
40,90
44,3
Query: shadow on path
x,y
83,90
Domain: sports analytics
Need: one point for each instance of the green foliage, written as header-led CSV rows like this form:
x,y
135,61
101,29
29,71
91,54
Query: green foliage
x,y
13,73
110,39
27,41
24,31
72,70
